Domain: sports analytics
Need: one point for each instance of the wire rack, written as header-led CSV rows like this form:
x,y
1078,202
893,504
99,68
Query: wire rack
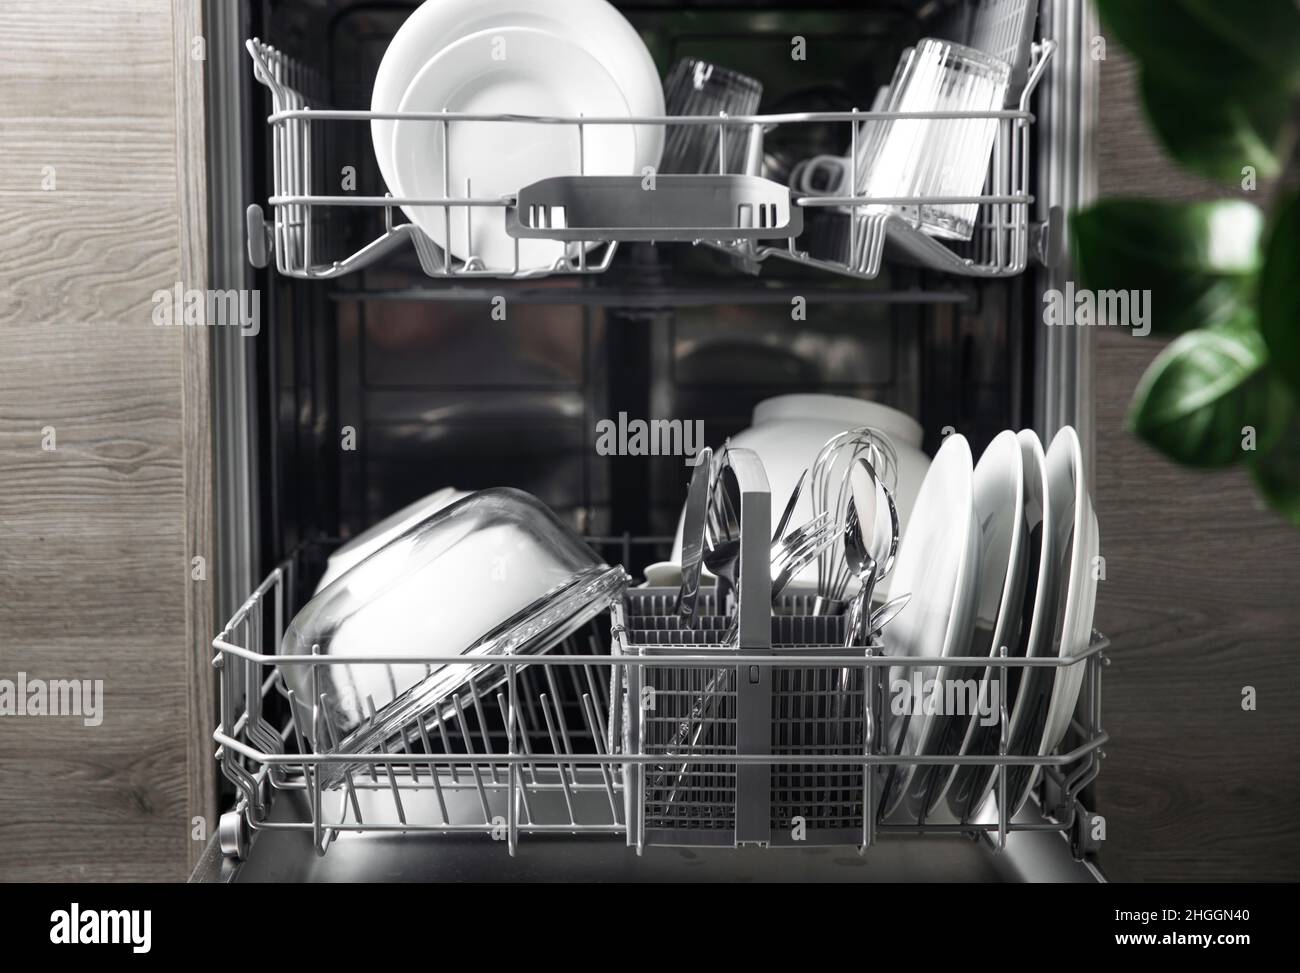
x,y
751,218
642,732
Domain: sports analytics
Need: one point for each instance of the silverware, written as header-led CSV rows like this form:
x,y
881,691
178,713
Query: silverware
x,y
886,613
788,556
831,492
811,539
864,568
693,530
784,522
870,541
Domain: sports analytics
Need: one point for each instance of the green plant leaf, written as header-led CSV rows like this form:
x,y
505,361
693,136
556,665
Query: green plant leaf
x,y
1201,393
1211,45
1277,472
1279,292
1199,260
1223,134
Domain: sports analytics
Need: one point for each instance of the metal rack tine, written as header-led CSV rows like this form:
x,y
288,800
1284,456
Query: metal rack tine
x,y
473,764
433,771
510,729
555,747
388,768
604,768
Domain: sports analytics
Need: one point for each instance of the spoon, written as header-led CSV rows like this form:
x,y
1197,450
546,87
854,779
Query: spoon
x,y
886,613
863,567
871,530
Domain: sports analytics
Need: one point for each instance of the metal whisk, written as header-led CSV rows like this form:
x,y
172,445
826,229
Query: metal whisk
x,y
831,493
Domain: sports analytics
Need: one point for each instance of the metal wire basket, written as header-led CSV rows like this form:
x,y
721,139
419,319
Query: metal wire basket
x,y
647,733
748,217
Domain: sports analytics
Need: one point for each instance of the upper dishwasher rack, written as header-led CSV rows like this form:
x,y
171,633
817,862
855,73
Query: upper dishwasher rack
x,y
746,216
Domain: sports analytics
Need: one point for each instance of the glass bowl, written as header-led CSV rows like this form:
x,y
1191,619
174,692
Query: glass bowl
x,y
494,573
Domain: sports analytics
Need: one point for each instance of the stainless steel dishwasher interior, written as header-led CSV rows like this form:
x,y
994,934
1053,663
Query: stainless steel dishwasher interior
x,y
438,394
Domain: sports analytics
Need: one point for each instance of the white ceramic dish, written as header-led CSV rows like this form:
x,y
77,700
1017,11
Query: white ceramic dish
x,y
519,70
372,539
1020,630
594,24
1047,697
999,498
938,564
1074,629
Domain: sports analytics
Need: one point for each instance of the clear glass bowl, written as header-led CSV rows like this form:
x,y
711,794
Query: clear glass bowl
x,y
494,573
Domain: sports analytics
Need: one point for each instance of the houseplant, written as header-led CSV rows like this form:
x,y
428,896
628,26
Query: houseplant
x,y
1220,85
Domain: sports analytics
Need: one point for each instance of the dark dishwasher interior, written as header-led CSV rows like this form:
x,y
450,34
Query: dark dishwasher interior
x,y
438,393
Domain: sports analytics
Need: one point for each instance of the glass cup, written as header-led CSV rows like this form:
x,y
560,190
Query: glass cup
x,y
939,157
695,87
922,157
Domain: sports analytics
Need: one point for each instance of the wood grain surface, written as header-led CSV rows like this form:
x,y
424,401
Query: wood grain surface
x,y
97,534
1200,600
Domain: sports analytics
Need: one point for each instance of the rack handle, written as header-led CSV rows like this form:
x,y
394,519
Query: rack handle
x,y
754,599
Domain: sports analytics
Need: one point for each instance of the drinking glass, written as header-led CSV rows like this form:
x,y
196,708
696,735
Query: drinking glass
x,y
696,87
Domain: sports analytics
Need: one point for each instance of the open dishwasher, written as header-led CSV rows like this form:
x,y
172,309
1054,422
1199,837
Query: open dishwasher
x,y
388,368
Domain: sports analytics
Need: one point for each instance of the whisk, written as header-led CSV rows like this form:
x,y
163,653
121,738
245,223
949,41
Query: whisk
x,y
831,493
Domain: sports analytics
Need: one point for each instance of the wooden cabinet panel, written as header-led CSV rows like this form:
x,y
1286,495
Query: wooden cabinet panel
x,y
1200,600
97,534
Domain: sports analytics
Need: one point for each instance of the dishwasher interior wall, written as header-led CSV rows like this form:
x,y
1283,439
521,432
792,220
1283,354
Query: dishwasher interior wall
x,y
367,392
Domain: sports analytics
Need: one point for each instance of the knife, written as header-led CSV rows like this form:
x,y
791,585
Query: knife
x,y
697,500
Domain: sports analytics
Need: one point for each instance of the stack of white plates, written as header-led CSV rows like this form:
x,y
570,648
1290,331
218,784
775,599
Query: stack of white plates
x,y
523,57
999,554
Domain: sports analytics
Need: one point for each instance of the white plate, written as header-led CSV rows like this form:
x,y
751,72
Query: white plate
x,y
511,70
999,498
1074,631
1046,700
1022,630
373,538
594,24
938,565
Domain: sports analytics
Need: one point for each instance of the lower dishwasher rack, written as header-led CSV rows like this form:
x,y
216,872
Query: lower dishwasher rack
x,y
551,758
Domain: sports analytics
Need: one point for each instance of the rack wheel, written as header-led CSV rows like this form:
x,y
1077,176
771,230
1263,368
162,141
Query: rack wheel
x,y
259,237
232,832
1085,840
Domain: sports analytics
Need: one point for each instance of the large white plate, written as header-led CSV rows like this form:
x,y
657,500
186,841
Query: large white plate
x,y
1047,695
938,565
1074,632
518,70
1025,630
999,498
594,24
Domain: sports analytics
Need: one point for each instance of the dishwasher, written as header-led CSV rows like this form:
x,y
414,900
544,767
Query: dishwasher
x,y
385,368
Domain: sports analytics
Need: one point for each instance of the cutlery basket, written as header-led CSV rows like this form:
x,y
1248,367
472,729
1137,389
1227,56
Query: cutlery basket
x,y
717,710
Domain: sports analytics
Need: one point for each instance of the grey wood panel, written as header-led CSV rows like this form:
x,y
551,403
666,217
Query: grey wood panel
x,y
196,425
96,535
1200,601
